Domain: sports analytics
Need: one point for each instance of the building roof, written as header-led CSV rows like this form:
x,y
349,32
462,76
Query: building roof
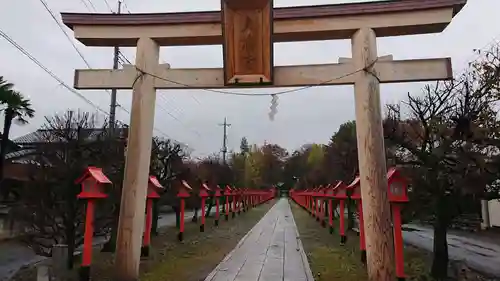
x,y
285,13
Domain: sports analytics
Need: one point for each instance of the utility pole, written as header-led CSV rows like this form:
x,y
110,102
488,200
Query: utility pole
x,y
112,106
224,140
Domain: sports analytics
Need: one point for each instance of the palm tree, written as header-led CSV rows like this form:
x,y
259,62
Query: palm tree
x,y
15,108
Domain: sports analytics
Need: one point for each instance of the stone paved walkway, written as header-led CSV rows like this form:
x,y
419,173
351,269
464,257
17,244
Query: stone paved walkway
x,y
271,251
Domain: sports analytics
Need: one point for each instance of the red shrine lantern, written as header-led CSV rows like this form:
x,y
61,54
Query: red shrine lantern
x,y
355,193
154,187
92,182
184,189
204,193
398,194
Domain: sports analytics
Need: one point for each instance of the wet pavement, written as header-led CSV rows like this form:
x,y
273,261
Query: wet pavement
x,y
271,251
479,255
14,256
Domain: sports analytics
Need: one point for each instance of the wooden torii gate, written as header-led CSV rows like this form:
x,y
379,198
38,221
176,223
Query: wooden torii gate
x,y
247,32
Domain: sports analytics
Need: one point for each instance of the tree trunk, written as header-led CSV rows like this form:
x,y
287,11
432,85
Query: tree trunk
x,y
110,245
156,216
70,241
439,268
195,215
440,262
7,123
177,216
209,209
350,215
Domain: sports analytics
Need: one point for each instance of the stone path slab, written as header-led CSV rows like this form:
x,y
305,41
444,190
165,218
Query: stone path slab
x,y
270,251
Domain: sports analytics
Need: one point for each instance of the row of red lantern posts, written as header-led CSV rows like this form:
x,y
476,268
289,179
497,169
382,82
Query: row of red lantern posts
x,y
93,182
317,201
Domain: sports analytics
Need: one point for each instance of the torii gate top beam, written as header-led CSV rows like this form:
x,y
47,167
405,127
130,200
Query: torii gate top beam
x,y
325,22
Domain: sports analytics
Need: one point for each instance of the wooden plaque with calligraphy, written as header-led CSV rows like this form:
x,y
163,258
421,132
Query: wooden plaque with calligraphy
x,y
247,27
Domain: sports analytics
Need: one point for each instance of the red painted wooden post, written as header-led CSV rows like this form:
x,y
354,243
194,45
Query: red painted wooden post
x,y
92,182
153,188
398,195
183,193
203,195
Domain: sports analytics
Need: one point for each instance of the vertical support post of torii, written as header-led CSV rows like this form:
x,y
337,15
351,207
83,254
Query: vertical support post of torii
x,y
135,183
371,155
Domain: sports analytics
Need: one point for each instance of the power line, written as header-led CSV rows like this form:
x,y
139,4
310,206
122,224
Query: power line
x,y
55,77
46,6
86,5
91,4
109,6
164,99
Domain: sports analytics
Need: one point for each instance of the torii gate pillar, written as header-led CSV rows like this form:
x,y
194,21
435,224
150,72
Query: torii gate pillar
x,y
135,183
371,156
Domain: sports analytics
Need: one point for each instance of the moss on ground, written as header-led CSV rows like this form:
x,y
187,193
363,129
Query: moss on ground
x,y
171,260
330,261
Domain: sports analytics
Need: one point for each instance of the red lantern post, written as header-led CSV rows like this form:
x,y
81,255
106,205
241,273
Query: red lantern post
x,y
217,205
92,182
340,193
398,195
183,193
203,195
153,188
227,193
355,193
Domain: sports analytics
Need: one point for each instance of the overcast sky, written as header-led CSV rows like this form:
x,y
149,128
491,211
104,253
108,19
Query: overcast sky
x,y
312,115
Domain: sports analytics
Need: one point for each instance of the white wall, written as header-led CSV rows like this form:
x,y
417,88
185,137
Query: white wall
x,y
494,211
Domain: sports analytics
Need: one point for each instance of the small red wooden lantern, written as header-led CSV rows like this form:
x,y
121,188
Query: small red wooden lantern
x,y
398,194
184,189
227,193
92,182
154,187
217,204
204,193
340,193
355,193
